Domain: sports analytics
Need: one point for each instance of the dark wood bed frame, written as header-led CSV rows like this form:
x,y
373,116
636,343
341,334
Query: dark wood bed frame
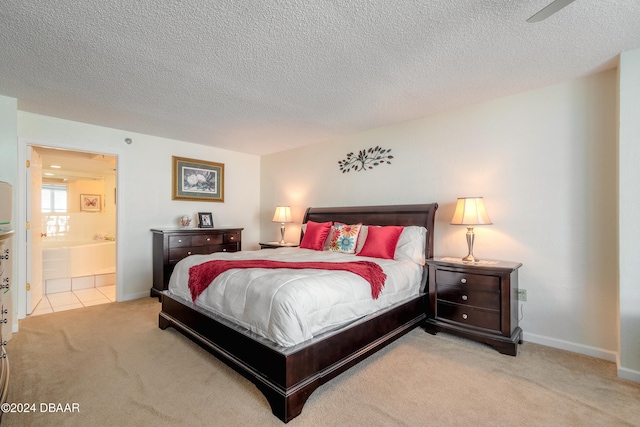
x,y
288,376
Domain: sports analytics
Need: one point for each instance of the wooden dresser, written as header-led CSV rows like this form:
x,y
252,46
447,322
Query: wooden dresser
x,y
170,245
5,303
475,301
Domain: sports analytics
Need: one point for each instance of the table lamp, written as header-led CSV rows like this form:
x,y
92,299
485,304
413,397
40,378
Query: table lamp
x,y
282,215
470,211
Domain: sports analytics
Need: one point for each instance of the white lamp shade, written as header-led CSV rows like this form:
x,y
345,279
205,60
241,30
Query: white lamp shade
x,y
470,211
283,214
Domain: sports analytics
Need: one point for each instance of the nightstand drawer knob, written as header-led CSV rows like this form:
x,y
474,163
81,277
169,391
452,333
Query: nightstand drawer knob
x,y
464,298
463,280
224,250
464,316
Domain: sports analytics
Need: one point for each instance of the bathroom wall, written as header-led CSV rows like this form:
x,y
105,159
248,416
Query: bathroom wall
x,y
76,225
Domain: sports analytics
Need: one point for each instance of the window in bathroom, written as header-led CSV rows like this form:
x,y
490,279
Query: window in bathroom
x,y
54,198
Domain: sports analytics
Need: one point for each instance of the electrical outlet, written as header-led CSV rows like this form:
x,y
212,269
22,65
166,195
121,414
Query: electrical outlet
x,y
522,294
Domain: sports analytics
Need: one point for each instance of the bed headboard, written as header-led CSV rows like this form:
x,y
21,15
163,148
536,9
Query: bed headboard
x,y
420,215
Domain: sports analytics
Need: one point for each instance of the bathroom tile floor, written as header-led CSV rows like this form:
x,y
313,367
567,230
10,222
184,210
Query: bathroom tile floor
x,y
62,301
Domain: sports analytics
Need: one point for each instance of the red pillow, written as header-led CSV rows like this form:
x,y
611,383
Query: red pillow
x,y
381,241
315,235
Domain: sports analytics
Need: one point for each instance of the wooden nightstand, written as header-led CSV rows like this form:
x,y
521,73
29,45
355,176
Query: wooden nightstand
x,y
477,301
275,245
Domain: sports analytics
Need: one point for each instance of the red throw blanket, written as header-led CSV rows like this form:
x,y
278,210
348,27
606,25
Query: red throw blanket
x,y
201,275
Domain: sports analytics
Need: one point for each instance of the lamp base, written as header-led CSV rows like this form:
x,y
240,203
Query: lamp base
x,y
282,242
470,258
470,238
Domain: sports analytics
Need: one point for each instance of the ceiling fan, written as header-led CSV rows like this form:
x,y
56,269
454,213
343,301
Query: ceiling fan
x,y
551,8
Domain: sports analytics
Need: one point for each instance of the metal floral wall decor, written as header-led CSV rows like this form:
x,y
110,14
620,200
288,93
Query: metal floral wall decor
x,y
366,159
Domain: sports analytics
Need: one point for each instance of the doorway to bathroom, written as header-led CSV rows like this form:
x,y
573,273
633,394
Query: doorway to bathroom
x,y
71,247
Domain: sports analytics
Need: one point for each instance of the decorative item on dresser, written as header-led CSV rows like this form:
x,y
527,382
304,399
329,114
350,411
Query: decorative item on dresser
x,y
170,245
475,300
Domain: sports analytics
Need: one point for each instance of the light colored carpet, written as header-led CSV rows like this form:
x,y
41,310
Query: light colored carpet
x,y
121,369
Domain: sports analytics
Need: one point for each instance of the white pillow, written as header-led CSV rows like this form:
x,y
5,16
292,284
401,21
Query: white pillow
x,y
411,244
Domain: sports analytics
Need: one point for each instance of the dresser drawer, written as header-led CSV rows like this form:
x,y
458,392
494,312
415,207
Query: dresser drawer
x,y
470,316
179,241
176,254
231,247
467,280
231,237
205,240
467,296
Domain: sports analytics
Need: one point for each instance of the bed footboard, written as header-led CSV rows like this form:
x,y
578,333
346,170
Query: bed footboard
x,y
287,377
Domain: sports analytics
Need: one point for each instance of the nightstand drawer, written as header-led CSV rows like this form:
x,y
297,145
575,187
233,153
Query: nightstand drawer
x,y
176,254
207,240
477,281
179,241
467,296
470,316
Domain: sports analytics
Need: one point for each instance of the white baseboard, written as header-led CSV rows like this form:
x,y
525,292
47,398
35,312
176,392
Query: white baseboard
x,y
629,374
572,346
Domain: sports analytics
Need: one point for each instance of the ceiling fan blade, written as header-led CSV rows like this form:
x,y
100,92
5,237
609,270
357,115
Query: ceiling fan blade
x,y
552,8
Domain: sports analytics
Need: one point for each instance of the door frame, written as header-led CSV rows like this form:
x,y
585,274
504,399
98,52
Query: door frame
x,y
20,297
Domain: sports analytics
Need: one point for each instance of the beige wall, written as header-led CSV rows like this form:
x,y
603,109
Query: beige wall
x,y
76,188
545,162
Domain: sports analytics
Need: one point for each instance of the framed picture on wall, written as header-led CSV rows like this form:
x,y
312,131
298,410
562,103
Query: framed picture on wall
x,y
90,202
205,220
197,180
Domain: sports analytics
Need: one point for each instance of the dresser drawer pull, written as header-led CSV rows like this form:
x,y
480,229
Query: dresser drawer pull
x,y
179,240
224,250
464,298
464,316
189,253
463,280
208,239
232,237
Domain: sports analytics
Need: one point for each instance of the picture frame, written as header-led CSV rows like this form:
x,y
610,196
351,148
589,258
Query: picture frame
x,y
90,203
205,220
197,180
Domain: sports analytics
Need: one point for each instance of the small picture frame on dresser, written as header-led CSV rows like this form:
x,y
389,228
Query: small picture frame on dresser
x,y
205,220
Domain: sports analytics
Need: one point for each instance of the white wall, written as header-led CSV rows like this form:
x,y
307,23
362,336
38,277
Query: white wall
x,y
144,188
545,162
629,131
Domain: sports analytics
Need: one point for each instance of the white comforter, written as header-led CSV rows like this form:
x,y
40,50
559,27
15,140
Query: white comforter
x,y
291,306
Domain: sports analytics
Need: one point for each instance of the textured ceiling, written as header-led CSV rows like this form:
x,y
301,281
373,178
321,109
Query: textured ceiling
x,y
264,76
